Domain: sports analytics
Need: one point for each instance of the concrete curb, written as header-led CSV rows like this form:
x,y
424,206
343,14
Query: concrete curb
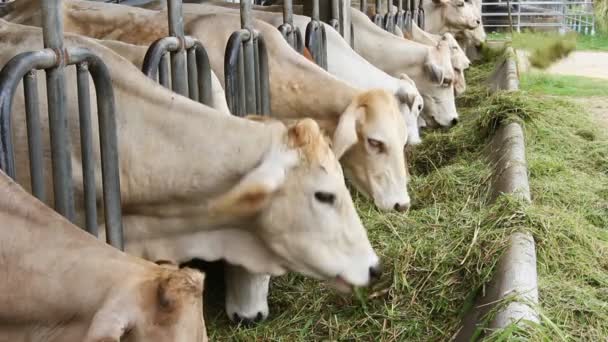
x,y
515,276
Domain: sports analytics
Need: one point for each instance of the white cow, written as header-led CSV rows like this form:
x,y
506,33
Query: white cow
x,y
342,60
199,184
430,67
459,59
61,284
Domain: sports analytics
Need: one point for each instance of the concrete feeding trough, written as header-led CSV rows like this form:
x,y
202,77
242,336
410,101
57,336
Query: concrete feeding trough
x,y
514,287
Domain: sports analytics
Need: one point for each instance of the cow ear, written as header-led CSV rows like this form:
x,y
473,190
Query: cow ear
x,y
345,135
254,191
436,72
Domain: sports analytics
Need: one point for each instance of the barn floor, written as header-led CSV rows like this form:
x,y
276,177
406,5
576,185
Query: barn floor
x,y
439,255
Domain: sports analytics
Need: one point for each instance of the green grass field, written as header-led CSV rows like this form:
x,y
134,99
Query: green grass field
x,y
563,85
438,256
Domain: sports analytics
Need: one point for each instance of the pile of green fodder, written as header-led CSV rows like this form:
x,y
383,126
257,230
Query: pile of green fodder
x,y
439,255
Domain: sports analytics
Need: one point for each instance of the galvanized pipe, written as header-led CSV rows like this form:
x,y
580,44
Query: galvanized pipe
x,y
246,15
163,71
52,33
288,12
86,146
249,64
34,135
178,58
108,142
203,68
363,6
10,76
192,73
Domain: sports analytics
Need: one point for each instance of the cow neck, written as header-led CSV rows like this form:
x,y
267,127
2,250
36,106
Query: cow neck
x,y
433,18
301,88
53,259
394,55
423,37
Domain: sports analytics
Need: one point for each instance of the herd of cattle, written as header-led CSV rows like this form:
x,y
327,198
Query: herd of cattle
x,y
267,195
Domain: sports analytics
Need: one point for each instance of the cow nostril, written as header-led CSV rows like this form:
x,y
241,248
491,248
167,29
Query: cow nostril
x,y
375,272
259,317
401,207
454,121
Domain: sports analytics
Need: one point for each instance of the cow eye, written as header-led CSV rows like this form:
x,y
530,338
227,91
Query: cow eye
x,y
419,107
461,4
325,197
376,144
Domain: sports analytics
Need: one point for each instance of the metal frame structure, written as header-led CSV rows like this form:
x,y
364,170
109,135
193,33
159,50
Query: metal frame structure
x,y
246,70
53,59
316,38
561,15
401,19
290,32
190,68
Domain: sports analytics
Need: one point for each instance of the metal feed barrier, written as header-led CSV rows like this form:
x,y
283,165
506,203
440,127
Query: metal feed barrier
x,y
246,69
316,38
53,60
190,68
290,32
401,19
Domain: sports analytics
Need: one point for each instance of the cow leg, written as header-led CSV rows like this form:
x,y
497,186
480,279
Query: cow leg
x,y
246,295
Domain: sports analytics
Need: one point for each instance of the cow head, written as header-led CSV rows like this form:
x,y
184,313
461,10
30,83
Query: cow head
x,y
369,140
458,15
460,62
304,213
437,87
166,306
411,104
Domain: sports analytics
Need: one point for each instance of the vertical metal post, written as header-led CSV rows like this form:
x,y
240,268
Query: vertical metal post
x,y
363,6
34,132
192,75
86,146
163,71
52,32
178,58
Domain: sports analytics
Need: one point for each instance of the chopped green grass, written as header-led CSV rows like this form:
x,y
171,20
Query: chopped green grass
x,y
439,255
542,83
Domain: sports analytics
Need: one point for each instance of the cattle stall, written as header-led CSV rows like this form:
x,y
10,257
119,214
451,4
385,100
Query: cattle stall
x,y
53,60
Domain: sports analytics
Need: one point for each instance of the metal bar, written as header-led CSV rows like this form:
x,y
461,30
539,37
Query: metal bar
x,y
231,66
86,146
246,15
155,54
205,91
242,110
163,71
192,73
34,135
250,89
108,142
363,6
52,32
178,58
258,85
10,76
264,76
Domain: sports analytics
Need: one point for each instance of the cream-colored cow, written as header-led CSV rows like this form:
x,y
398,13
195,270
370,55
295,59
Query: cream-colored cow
x,y
430,67
198,183
61,284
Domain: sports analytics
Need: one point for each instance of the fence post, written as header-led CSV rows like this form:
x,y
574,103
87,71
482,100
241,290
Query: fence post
x,y
52,32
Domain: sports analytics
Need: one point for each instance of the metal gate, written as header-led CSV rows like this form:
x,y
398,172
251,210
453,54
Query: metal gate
x,y
190,68
53,59
246,69
290,32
